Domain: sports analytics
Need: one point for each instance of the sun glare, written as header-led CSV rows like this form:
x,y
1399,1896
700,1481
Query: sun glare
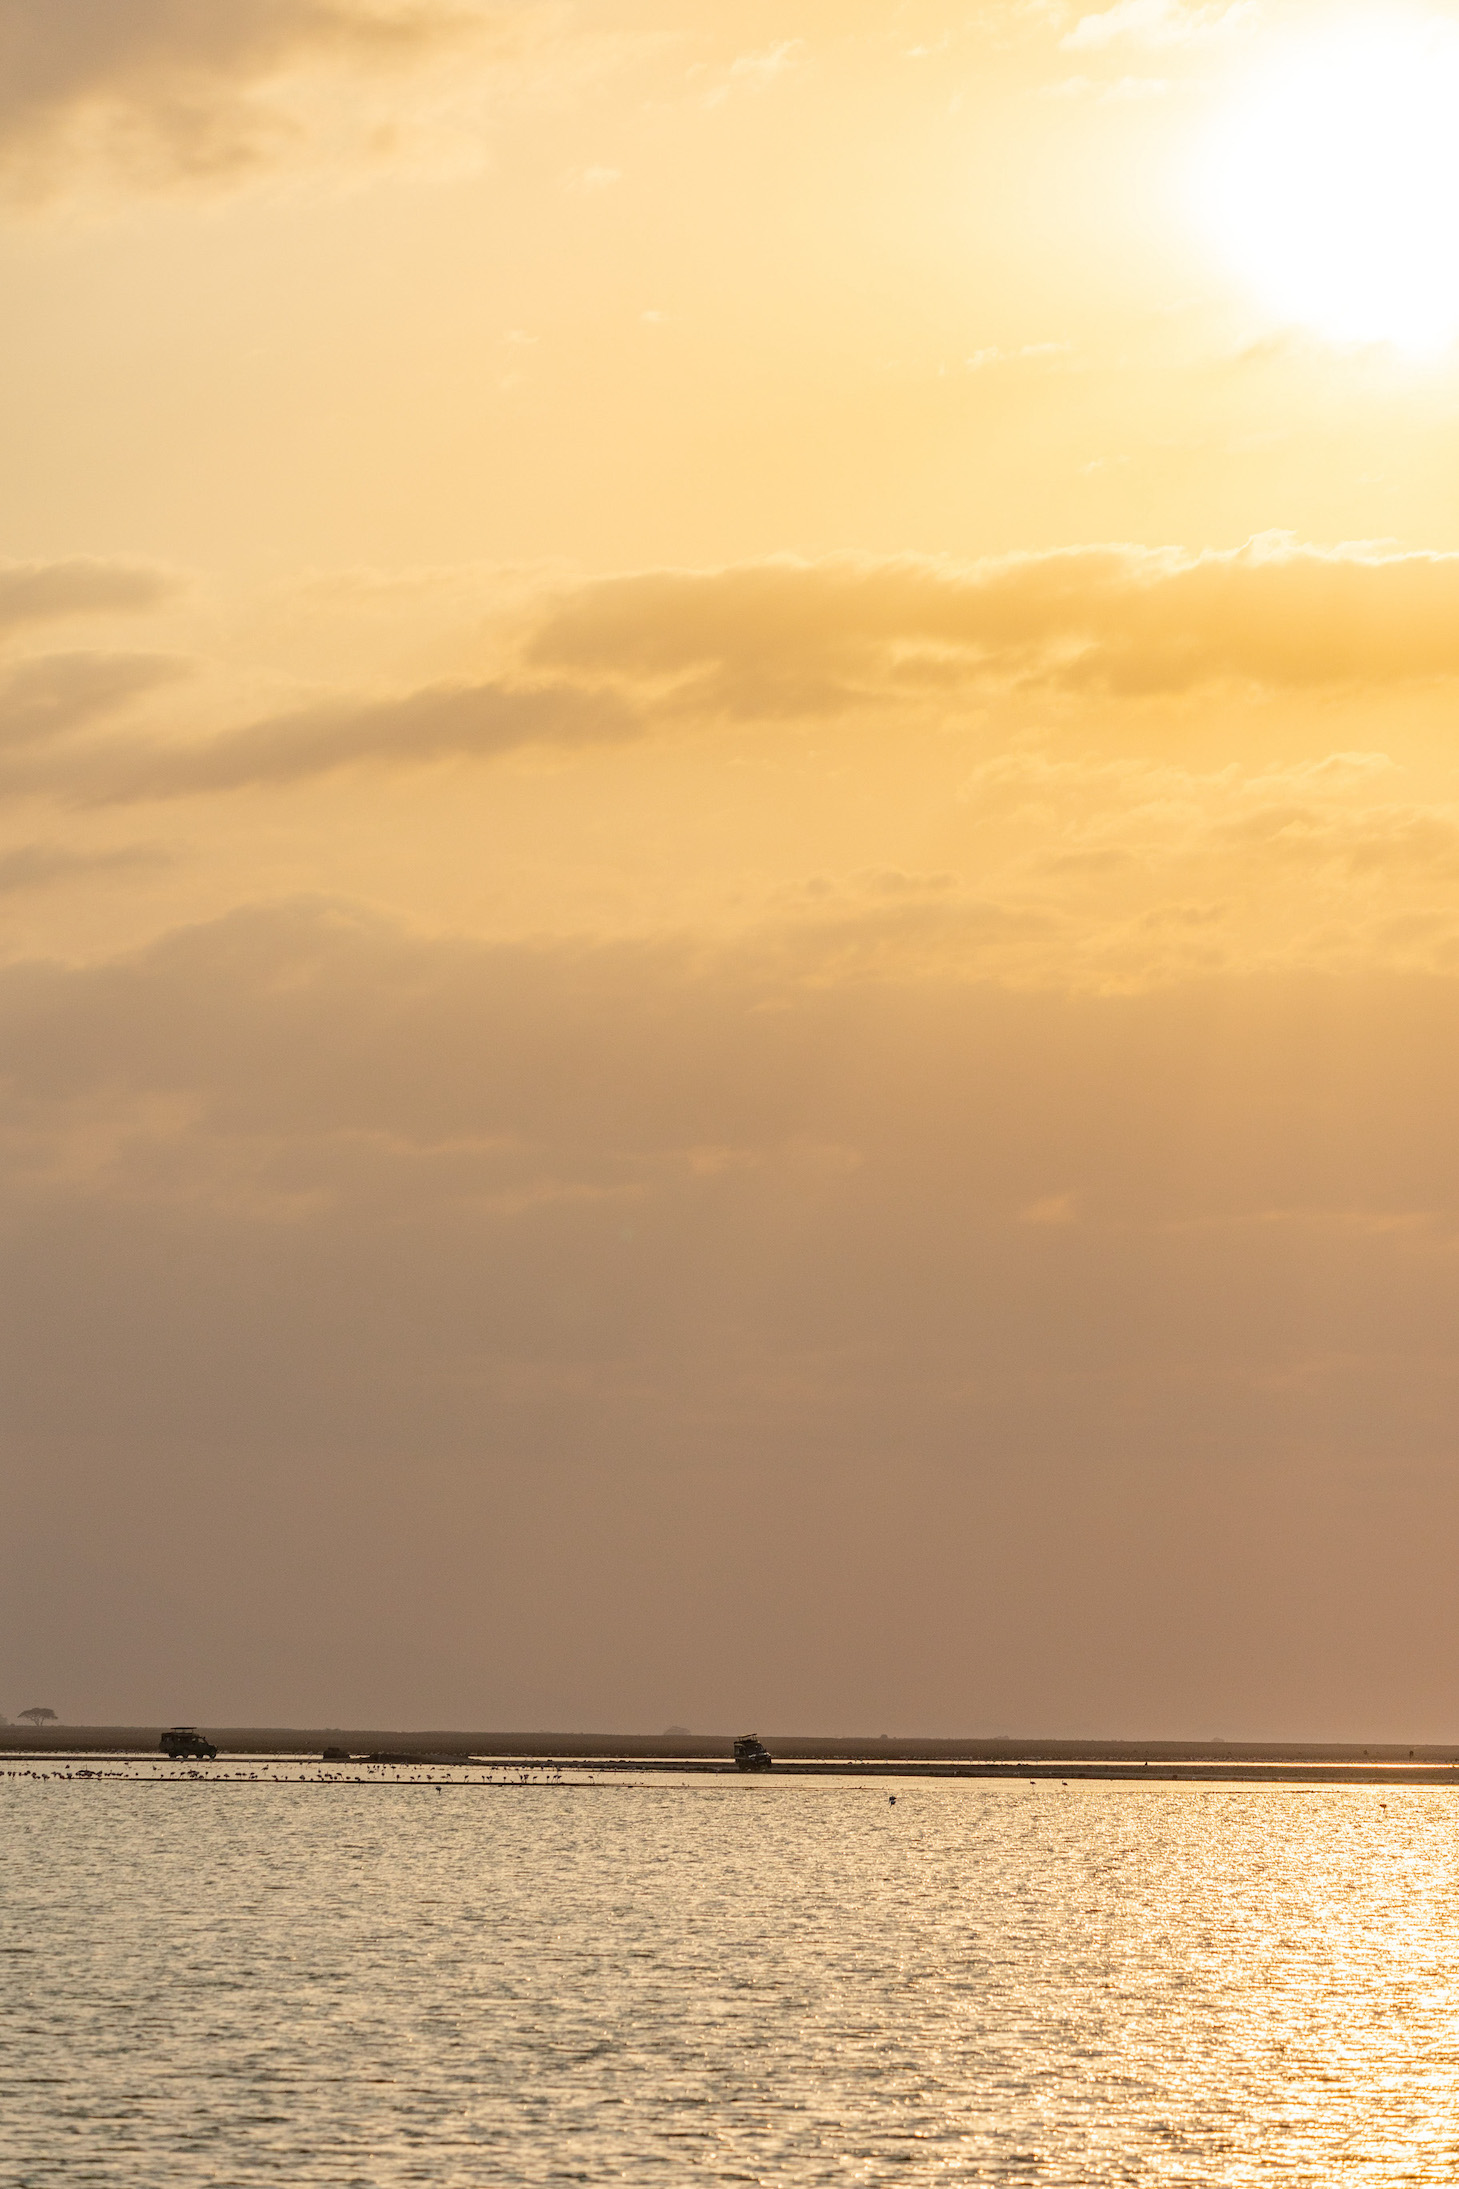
x,y
1333,185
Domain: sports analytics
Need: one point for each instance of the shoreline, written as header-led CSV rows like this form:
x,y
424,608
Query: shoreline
x,y
463,1756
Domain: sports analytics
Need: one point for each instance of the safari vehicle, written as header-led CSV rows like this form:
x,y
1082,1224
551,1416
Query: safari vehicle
x,y
186,1740
750,1755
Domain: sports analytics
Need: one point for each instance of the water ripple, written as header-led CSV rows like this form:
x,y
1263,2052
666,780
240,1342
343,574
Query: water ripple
x,y
756,1981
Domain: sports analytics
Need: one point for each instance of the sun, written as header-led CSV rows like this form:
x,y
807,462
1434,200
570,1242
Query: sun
x,y
1332,184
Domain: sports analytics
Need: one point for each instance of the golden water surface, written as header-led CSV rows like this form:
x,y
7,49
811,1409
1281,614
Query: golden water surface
x,y
207,1981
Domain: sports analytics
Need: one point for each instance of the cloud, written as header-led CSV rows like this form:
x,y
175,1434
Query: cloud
x,y
591,181
51,695
168,89
788,637
904,640
605,1269
1158,23
758,70
608,1063
37,592
37,866
764,66
477,721
1340,811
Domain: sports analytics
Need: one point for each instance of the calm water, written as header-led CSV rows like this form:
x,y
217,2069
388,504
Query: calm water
x,y
752,1981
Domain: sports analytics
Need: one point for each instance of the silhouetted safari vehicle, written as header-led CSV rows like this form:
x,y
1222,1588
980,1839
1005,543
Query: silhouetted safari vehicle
x,y
185,1740
750,1755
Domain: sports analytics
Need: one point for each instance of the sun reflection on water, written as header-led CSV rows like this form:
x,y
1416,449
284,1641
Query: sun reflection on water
x,y
762,1980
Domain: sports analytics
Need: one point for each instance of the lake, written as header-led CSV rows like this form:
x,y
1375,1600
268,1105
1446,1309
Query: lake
x,y
634,1981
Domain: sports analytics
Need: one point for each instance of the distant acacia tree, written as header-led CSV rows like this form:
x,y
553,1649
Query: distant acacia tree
x,y
37,1715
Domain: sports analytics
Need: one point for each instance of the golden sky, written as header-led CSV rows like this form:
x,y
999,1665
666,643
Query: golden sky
x,y
729,854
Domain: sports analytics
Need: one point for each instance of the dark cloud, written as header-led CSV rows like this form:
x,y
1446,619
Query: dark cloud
x,y
37,866
552,1329
50,695
786,637
37,592
610,661
171,84
477,721
645,1052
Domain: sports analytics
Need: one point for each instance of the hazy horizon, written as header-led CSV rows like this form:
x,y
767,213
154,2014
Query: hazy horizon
x,y
729,866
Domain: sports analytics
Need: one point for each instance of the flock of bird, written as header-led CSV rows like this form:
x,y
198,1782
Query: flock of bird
x,y
143,1771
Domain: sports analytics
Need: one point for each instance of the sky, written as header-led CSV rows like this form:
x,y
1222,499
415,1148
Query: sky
x,y
729,865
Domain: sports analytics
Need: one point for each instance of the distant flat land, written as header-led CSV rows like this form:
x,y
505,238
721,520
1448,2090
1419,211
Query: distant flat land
x,y
810,1756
